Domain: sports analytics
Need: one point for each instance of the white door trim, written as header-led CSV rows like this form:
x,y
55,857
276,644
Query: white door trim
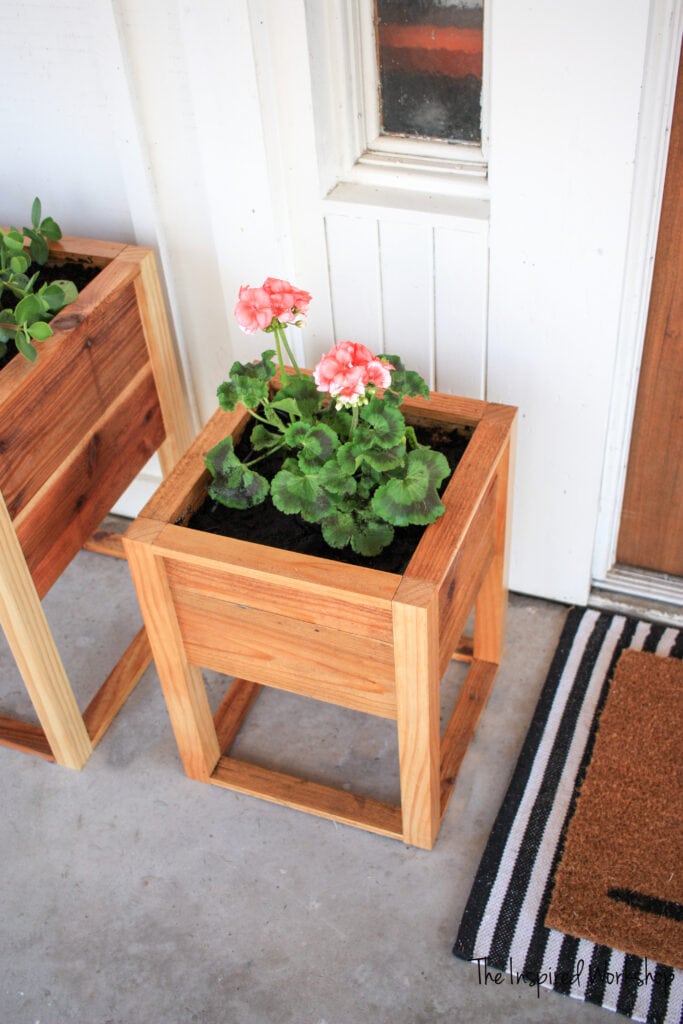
x,y
659,86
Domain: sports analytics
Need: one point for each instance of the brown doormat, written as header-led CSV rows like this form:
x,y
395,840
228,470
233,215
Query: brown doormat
x,y
620,878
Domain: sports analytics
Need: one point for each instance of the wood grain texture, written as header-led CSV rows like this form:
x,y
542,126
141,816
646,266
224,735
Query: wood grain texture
x,y
233,710
181,682
163,359
416,652
303,795
86,368
651,531
61,517
117,687
462,724
32,644
25,737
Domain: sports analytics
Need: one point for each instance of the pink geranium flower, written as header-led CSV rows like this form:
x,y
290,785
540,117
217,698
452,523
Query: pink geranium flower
x,y
347,369
289,304
254,310
275,299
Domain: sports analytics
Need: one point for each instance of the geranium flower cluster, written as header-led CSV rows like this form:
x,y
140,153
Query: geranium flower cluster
x,y
346,371
257,308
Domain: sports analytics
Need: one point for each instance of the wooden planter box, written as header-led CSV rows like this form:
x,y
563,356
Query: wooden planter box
x,y
374,641
75,429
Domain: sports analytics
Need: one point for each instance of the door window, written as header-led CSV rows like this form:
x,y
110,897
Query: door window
x,y
429,56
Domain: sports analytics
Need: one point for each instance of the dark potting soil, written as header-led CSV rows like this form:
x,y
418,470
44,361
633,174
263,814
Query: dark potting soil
x,y
265,524
71,270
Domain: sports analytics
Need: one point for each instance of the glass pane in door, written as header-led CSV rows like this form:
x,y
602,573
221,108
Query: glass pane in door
x,y
430,64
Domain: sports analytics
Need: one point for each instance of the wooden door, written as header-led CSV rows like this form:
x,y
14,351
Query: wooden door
x,y
651,532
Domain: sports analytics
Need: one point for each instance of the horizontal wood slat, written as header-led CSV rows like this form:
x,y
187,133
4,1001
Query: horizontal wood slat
x,y
97,358
313,797
25,737
82,490
362,615
286,653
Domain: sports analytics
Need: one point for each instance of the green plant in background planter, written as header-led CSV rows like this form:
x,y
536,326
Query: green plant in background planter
x,y
350,462
25,319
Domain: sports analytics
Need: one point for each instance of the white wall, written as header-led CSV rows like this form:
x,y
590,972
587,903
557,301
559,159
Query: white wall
x,y
191,128
56,126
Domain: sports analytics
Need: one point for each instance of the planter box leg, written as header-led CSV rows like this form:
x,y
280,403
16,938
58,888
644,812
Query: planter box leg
x,y
182,683
490,608
32,644
416,652
172,400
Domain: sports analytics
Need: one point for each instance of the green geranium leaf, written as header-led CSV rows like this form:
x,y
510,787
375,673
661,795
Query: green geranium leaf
x,y
387,422
317,446
371,536
336,480
286,405
385,460
250,391
407,383
7,316
262,439
248,383
339,420
295,433
40,331
413,498
234,484
346,458
338,529
304,393
295,493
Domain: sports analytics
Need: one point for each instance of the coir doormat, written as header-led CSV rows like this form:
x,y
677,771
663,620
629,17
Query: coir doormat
x,y
620,877
503,927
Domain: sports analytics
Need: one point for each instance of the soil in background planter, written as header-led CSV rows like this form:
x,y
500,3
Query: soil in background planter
x,y
70,270
267,525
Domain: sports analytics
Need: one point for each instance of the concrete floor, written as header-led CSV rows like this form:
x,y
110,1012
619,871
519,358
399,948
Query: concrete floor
x,y
132,895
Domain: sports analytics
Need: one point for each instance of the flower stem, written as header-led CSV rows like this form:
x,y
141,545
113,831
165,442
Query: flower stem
x,y
280,340
354,420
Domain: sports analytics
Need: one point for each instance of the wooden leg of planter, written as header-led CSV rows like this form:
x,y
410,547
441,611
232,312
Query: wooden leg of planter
x,y
173,401
33,646
182,683
491,603
416,653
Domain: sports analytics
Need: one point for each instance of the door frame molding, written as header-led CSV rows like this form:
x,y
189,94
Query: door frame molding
x,y
659,87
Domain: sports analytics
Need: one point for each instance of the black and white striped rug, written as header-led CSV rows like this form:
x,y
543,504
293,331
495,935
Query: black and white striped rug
x,y
502,929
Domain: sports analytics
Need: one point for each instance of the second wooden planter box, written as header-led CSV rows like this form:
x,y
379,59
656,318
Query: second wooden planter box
x,y
373,641
76,428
